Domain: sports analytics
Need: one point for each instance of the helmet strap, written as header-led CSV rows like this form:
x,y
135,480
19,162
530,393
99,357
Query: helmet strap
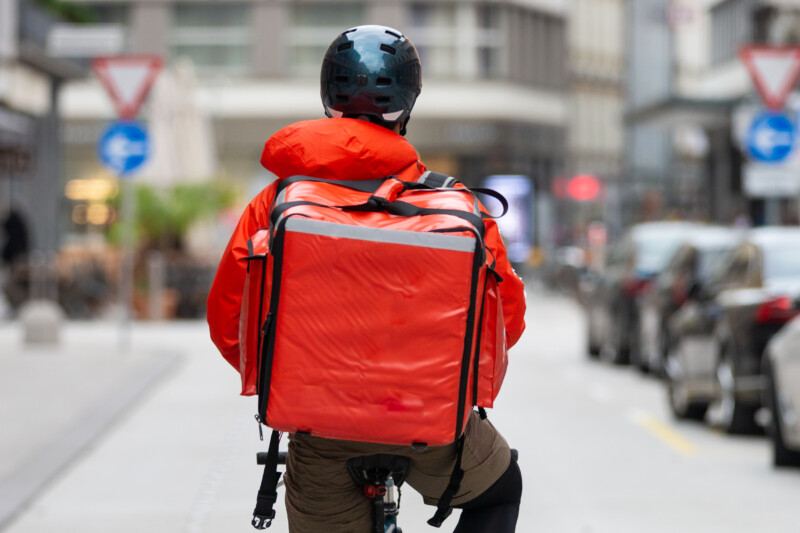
x,y
403,129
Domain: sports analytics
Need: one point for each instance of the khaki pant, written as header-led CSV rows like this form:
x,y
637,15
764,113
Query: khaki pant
x,y
321,496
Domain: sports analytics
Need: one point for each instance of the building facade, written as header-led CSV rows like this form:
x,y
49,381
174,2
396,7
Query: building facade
x,y
495,78
31,178
595,126
684,85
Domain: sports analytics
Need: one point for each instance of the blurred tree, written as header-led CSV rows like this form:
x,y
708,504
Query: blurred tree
x,y
79,13
164,216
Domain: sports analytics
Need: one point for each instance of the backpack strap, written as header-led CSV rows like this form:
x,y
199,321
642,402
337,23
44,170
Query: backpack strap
x,y
437,180
356,185
443,508
263,514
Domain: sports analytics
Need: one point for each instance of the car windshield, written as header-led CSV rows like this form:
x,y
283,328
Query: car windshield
x,y
653,254
709,261
782,260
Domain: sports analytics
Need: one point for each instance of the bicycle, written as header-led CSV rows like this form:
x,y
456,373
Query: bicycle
x,y
378,475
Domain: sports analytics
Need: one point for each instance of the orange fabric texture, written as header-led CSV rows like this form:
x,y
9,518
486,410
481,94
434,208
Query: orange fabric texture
x,y
342,149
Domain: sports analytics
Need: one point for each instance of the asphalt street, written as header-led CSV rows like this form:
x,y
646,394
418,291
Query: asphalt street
x,y
598,450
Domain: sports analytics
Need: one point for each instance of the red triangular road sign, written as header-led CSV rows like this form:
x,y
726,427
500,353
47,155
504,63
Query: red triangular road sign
x,y
774,71
127,79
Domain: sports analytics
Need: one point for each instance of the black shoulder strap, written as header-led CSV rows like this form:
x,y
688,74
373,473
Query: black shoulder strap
x,y
437,180
443,508
356,185
264,513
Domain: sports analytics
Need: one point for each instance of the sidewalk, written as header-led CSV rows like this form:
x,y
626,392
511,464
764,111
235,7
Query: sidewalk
x,y
56,400
181,459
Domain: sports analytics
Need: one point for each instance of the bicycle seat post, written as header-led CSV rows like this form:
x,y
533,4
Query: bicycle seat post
x,y
378,475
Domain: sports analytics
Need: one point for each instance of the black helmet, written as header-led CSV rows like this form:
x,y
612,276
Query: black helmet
x,y
371,71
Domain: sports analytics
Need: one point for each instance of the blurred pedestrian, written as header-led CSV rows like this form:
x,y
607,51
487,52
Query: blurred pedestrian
x,y
15,238
371,77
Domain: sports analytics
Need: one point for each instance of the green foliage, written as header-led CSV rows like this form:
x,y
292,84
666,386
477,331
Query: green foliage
x,y
164,216
79,13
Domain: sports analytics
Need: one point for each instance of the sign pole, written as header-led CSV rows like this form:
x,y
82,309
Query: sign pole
x,y
123,148
772,211
127,238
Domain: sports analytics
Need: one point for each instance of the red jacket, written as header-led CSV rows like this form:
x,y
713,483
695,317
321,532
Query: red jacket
x,y
331,148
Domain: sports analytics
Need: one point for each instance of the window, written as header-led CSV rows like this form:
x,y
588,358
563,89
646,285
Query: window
x,y
730,28
457,39
215,36
537,48
432,28
490,42
314,26
737,270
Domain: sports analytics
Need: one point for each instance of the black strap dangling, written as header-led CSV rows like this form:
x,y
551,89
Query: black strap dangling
x,y
443,508
264,513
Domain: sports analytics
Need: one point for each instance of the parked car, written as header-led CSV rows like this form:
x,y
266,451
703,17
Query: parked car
x,y
631,264
716,339
782,394
690,265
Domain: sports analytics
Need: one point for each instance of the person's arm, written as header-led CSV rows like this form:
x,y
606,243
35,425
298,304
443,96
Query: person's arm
x,y
512,290
225,297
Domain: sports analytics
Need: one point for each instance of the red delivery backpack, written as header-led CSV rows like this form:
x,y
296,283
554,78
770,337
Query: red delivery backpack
x,y
371,313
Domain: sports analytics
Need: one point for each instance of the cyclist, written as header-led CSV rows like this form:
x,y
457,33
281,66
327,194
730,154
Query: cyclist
x,y
371,77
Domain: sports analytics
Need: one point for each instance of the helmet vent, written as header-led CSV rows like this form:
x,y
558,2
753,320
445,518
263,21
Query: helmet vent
x,y
342,99
344,46
383,82
341,79
383,100
388,49
394,34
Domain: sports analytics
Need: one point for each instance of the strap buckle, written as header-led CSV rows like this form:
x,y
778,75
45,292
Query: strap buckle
x,y
261,521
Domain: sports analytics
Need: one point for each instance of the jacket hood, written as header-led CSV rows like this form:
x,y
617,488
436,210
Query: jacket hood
x,y
337,148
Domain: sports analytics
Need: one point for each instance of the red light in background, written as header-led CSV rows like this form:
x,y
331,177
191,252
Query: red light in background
x,y
583,188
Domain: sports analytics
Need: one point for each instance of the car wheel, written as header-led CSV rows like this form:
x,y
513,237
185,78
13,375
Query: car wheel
x,y
734,416
781,454
592,348
636,355
680,402
658,367
612,350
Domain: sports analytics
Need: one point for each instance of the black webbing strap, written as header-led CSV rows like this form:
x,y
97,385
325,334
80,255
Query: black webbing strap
x,y
356,185
497,196
443,508
410,210
280,209
263,514
437,180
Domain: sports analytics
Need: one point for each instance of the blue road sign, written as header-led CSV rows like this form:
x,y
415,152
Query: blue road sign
x,y
124,147
771,137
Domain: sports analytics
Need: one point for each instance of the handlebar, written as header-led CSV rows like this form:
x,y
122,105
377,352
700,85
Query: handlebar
x,y
261,458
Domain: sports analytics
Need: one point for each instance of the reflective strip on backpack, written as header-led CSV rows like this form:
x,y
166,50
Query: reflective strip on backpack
x,y
412,238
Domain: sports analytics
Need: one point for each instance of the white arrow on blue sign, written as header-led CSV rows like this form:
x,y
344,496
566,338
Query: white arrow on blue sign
x,y
124,147
771,137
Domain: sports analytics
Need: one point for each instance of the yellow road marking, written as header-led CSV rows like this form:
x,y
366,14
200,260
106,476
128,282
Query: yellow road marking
x,y
665,433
